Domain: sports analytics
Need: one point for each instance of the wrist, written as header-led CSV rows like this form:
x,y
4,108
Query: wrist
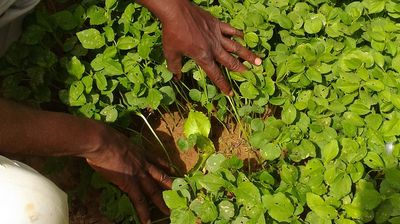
x,y
164,9
105,143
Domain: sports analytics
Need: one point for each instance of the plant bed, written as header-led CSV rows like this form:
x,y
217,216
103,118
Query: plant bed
x,y
170,129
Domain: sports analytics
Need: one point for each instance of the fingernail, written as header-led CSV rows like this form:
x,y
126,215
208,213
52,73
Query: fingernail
x,y
258,61
149,222
230,93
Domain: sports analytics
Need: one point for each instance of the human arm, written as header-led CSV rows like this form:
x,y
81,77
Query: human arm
x,y
24,130
190,31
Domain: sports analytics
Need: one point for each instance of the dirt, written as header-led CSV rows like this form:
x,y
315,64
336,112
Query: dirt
x,y
228,140
169,128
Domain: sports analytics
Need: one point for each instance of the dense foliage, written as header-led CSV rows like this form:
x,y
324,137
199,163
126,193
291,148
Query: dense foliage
x,y
331,72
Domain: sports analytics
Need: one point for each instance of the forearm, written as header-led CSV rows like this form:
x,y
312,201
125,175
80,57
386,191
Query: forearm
x,y
24,130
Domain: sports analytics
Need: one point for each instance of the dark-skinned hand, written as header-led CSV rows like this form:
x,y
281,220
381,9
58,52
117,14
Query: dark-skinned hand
x,y
27,131
122,163
190,31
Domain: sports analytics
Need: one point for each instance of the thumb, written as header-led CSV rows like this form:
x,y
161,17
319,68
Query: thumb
x,y
174,62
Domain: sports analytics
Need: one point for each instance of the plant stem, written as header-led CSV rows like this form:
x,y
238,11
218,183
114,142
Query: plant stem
x,y
156,136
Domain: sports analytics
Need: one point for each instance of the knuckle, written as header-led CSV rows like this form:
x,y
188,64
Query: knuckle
x,y
164,178
217,78
235,65
204,57
236,48
218,51
141,200
124,186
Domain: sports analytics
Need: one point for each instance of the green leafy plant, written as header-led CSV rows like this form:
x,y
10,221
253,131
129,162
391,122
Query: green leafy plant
x,y
196,129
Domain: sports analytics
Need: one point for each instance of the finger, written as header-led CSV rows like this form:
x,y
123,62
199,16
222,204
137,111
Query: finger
x,y
174,62
158,161
242,52
139,201
214,73
152,191
159,176
229,61
229,30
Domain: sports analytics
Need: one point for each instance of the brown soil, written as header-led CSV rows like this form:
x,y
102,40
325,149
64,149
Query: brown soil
x,y
169,128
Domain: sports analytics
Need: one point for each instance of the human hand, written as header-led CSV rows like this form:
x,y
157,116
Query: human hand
x,y
190,31
24,130
120,162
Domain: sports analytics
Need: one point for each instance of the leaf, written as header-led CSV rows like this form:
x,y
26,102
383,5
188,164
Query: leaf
x,y
204,209
284,21
182,216
375,85
360,109
127,43
330,151
214,162
97,63
33,34
183,144
314,75
248,90
76,96
341,186
65,19
396,63
320,207
279,207
101,81
374,6
257,124
289,113
303,99
226,210
195,95
154,98
295,64
392,176
145,46
110,112
110,3
173,200
197,123
75,68
251,39
270,151
373,160
355,9
91,38
168,95
346,86
109,33
366,190
390,127
211,182
289,174
313,24
97,15
356,171
352,151
305,150
247,194
112,67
